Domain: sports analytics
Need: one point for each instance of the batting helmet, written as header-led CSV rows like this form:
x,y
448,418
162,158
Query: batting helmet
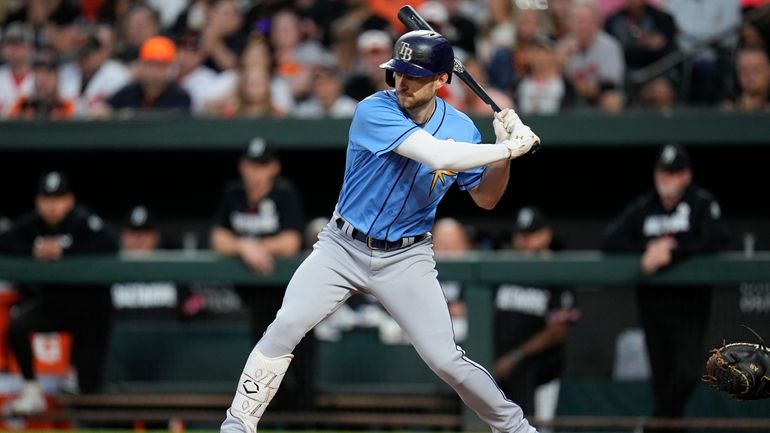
x,y
420,53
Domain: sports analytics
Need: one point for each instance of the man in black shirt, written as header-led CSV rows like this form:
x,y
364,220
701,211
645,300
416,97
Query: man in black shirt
x,y
674,221
58,228
153,90
260,217
531,326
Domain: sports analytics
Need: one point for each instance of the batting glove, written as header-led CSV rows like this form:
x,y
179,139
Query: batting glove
x,y
522,141
501,134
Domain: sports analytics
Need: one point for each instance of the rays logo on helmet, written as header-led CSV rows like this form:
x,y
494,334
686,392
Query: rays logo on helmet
x,y
405,51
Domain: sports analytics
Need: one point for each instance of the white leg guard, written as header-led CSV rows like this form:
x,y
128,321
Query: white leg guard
x,y
259,382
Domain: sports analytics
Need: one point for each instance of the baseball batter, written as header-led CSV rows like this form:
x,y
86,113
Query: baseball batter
x,y
406,148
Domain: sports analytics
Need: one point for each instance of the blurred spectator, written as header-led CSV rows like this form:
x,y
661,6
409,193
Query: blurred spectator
x,y
593,59
45,102
257,55
469,102
659,94
645,32
753,70
193,18
374,48
201,82
361,16
544,90
675,221
388,9
751,36
707,30
531,326
52,22
261,218
508,66
57,228
93,77
444,17
251,98
222,37
140,23
16,77
153,90
501,31
450,239
558,15
168,10
295,56
327,99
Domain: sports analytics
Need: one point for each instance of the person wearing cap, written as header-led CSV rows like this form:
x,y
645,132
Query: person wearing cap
x,y
374,47
154,89
543,89
55,230
593,60
46,101
326,97
260,218
140,234
532,324
16,77
674,221
93,76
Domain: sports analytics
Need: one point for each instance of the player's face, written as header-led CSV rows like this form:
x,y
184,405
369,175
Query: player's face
x,y
139,240
53,209
533,242
415,92
258,178
671,184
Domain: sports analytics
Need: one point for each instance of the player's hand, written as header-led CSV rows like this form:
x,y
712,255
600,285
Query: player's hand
x,y
505,364
522,141
256,256
657,254
504,123
47,250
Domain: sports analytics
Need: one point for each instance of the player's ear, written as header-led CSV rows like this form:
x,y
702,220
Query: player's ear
x,y
441,80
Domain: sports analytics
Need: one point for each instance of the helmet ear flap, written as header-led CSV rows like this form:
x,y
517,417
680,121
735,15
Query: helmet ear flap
x,y
390,78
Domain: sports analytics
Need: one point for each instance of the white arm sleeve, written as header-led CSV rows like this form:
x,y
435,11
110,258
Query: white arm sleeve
x,y
448,154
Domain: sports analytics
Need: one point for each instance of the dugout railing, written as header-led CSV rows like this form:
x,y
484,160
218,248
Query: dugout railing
x,y
480,272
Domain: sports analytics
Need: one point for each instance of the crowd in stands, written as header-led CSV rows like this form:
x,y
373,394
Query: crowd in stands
x,y
96,59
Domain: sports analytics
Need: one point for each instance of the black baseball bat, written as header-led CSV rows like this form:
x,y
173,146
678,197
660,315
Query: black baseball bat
x,y
413,21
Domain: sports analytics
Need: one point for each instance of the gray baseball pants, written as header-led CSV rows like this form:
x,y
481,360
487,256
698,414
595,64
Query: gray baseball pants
x,y
405,282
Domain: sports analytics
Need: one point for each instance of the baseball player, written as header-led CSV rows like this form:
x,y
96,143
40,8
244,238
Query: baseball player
x,y
406,148
674,221
56,229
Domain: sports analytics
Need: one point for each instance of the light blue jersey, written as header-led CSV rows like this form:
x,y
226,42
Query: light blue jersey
x,y
389,196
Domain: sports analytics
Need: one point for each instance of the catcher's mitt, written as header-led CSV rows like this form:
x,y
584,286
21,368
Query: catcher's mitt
x,y
740,369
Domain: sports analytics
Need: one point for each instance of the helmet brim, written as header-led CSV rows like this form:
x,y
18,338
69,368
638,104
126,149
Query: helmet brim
x,y
406,68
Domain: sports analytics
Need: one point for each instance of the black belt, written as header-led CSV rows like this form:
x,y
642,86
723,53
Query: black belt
x,y
380,244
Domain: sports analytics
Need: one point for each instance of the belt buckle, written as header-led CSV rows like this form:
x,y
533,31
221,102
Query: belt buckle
x,y
370,243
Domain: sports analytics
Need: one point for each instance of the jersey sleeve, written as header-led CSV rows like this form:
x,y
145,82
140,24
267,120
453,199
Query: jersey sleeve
x,y
222,217
379,126
19,239
470,179
93,235
290,209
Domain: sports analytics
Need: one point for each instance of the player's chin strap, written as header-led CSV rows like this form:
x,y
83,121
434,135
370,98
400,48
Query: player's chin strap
x,y
258,385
